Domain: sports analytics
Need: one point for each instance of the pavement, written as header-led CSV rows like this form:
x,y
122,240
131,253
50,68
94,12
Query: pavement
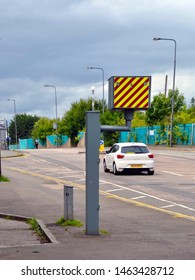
x,y
141,234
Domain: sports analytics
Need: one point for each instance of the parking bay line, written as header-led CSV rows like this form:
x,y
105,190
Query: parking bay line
x,y
173,173
167,206
138,197
113,190
106,194
151,196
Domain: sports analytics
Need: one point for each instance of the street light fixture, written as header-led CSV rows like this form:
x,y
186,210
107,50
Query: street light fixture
x,y
16,133
99,68
174,71
93,90
45,85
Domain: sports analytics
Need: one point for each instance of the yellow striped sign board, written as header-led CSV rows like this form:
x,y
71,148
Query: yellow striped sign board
x,y
129,92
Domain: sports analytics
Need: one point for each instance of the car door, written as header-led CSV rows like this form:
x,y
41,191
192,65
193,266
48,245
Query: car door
x,y
110,156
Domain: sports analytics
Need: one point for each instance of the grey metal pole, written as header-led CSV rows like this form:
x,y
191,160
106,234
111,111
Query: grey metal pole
x,y
92,172
56,104
92,89
172,103
172,99
56,110
56,117
99,68
0,163
103,90
166,79
16,131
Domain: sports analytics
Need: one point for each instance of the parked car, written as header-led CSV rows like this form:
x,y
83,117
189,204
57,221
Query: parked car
x,y
129,156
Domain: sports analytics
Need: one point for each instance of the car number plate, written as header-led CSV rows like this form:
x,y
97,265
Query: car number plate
x,y
136,165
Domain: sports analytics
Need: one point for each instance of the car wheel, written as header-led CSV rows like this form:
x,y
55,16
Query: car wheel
x,y
115,169
105,167
150,172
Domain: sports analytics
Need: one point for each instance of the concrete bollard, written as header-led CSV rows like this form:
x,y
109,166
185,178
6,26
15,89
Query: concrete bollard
x,y
68,203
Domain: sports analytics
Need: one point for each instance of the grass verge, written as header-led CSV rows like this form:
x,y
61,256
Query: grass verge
x,y
65,223
4,179
36,227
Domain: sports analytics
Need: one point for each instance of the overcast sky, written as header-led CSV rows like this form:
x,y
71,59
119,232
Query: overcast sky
x,y
53,42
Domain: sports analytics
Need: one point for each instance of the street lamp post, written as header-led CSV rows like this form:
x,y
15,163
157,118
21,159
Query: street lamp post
x,y
99,68
174,71
16,132
92,89
56,110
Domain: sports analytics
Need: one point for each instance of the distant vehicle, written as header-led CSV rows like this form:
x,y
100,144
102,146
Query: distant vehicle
x,y
129,156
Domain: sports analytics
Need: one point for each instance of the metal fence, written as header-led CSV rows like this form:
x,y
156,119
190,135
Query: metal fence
x,y
51,141
151,135
160,135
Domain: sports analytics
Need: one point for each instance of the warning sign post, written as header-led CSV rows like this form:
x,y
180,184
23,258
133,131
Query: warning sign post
x,y
129,92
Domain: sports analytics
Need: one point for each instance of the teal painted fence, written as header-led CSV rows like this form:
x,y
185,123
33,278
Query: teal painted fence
x,y
26,143
57,140
30,143
160,135
151,135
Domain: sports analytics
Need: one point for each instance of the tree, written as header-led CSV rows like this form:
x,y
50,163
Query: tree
x,y
43,128
160,111
74,120
184,117
179,100
192,102
25,125
112,118
187,115
139,119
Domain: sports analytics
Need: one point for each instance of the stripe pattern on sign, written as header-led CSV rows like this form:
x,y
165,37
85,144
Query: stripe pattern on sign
x,y
131,92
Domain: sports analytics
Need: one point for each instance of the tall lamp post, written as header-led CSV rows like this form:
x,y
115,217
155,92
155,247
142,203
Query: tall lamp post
x,y
172,100
99,68
56,110
16,132
92,90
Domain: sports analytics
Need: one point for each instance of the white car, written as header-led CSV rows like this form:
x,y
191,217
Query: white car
x,y
129,156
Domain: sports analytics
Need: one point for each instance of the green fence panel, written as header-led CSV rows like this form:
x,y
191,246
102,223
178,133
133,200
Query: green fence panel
x,y
53,139
26,143
193,134
183,134
64,139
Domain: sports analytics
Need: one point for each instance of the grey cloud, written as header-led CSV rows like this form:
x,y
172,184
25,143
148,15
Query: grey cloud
x,y
46,41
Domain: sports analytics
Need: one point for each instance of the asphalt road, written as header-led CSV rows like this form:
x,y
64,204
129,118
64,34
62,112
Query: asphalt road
x,y
146,217
171,188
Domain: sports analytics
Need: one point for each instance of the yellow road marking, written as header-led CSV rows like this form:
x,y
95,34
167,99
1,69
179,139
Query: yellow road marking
x,y
108,195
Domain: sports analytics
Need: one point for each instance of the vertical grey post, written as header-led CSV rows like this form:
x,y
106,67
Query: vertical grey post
x,y
128,115
0,162
68,203
166,80
92,172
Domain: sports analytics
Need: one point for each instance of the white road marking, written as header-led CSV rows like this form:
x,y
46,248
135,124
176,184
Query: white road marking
x,y
79,180
151,196
138,197
66,173
167,206
113,190
173,173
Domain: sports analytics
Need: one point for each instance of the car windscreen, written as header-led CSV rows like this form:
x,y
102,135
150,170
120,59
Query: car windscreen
x,y
134,150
